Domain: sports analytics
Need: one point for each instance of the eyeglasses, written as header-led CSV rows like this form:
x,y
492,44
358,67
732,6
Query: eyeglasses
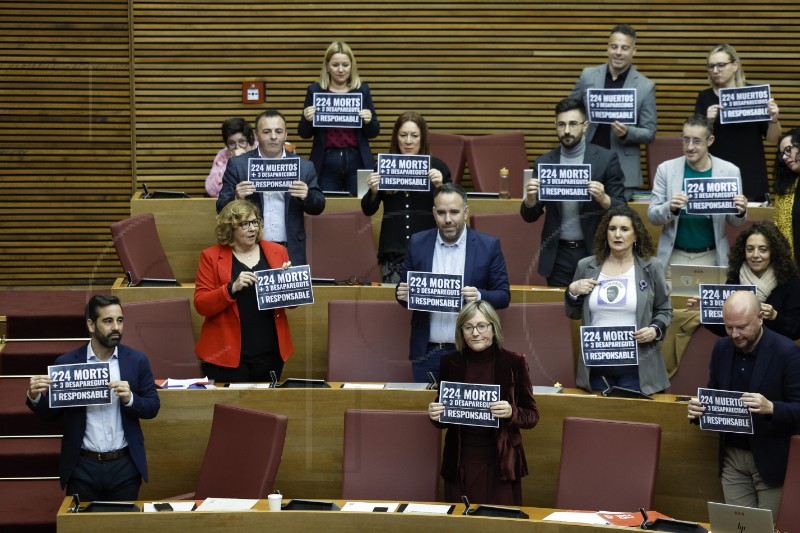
x,y
482,327
561,126
717,66
693,140
247,224
789,150
242,143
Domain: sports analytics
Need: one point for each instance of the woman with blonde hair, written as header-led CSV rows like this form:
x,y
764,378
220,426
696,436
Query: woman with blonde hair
x,y
739,143
337,153
239,342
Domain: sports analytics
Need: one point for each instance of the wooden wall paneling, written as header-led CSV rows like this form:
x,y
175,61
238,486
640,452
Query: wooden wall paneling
x,y
73,78
65,140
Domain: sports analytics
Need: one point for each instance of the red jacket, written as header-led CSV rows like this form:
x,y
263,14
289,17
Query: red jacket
x,y
221,339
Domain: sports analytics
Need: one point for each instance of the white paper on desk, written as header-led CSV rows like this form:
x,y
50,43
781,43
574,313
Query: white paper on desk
x,y
363,386
368,507
427,508
249,385
226,504
171,383
176,506
578,518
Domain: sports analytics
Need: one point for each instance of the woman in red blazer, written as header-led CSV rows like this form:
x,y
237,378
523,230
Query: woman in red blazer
x,y
238,342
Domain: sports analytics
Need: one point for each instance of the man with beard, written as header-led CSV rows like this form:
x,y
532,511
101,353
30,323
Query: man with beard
x,y
569,226
765,367
102,450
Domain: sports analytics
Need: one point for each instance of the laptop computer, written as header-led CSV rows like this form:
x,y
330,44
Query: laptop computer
x,y
686,279
361,181
737,519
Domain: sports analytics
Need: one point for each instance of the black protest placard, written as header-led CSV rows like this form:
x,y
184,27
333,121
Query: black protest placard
x,y
79,385
561,183
434,292
284,288
744,104
337,110
724,411
273,175
711,196
713,296
467,404
606,106
402,172
609,346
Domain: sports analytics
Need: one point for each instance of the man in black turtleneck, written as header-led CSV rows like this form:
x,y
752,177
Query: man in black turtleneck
x,y
569,226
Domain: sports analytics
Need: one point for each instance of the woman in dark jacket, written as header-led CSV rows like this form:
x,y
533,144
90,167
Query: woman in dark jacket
x,y
404,212
337,153
484,463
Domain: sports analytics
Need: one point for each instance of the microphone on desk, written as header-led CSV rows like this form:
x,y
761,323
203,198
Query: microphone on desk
x,y
466,504
432,383
274,377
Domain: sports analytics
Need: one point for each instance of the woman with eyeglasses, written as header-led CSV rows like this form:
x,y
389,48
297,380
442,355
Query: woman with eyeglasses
x,y
486,464
786,172
238,342
337,153
740,143
239,138
623,284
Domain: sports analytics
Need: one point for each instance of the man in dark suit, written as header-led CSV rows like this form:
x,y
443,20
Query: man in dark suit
x,y
619,73
450,249
569,227
766,366
282,212
102,450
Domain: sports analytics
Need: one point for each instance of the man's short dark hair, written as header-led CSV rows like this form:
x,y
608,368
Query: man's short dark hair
x,y
269,113
451,188
700,120
96,302
624,29
570,104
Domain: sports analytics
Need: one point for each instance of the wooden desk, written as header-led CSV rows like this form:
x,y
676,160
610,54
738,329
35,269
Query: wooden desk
x,y
186,226
312,457
261,518
309,323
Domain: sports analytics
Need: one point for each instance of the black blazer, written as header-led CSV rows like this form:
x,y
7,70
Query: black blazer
x,y
605,169
777,376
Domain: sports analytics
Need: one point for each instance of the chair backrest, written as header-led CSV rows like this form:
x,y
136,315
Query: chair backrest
x,y
139,248
162,329
789,510
519,241
243,454
341,246
663,148
543,333
607,465
390,455
487,154
450,148
368,341
693,369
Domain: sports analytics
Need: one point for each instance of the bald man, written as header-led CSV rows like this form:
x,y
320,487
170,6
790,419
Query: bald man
x,y
766,367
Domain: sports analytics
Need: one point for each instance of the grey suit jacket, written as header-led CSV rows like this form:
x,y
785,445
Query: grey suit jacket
x,y
669,182
652,307
643,132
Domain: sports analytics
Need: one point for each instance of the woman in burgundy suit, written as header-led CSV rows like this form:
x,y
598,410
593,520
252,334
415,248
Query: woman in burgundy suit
x,y
238,342
486,464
